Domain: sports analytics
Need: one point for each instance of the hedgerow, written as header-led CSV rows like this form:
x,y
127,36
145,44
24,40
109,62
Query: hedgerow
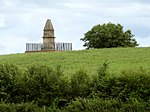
x,y
43,89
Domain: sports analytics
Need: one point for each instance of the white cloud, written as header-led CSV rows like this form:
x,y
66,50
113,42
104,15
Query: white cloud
x,y
77,5
8,3
2,23
144,42
24,20
12,45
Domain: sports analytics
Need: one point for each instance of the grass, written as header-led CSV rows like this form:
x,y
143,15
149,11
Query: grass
x,y
42,89
119,59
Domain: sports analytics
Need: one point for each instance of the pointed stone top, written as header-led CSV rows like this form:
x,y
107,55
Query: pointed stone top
x,y
48,26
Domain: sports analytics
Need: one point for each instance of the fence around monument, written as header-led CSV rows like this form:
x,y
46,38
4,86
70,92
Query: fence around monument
x,y
56,46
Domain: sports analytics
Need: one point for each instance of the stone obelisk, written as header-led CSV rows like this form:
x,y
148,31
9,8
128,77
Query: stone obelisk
x,y
48,36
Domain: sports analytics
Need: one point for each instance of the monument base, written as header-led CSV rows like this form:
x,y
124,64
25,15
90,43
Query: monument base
x,y
43,51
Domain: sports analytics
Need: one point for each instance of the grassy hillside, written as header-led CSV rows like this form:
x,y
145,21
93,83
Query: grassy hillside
x,y
41,89
118,58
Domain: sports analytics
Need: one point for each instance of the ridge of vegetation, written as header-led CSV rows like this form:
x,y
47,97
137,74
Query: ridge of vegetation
x,y
43,89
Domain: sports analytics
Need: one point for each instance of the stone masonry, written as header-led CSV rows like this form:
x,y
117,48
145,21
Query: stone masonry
x,y
48,36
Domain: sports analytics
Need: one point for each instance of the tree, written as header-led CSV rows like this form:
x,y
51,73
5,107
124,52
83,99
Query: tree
x,y
107,36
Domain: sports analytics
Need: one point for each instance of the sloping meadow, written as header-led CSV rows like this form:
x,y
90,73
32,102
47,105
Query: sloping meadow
x,y
71,61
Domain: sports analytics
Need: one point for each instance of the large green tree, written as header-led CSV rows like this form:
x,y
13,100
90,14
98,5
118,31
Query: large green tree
x,y
107,36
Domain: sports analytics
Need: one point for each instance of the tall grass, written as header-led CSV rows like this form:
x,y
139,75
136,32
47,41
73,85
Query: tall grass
x,y
71,61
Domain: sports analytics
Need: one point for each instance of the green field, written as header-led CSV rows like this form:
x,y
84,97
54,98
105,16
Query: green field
x,y
118,58
88,87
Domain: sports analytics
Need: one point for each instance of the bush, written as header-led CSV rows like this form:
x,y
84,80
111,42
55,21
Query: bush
x,y
79,84
98,85
23,107
129,85
99,105
44,84
8,73
41,88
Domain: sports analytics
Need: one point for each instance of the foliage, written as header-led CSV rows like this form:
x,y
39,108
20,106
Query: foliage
x,y
79,84
107,36
23,107
100,105
8,73
43,89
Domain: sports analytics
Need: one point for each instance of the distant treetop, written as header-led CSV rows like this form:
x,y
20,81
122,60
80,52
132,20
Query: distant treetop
x,y
107,36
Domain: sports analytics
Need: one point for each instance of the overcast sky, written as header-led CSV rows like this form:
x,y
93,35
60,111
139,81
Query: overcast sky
x,y
22,21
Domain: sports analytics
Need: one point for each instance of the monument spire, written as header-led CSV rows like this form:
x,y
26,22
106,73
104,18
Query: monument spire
x,y
48,36
48,41
48,26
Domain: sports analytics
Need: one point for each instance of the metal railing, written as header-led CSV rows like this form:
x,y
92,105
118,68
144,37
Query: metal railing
x,y
53,46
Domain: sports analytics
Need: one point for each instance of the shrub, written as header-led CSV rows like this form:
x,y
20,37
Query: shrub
x,y
23,107
99,105
98,84
8,73
44,84
79,84
41,88
132,84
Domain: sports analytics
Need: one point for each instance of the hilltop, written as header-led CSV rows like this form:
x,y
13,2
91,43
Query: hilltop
x,y
118,58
